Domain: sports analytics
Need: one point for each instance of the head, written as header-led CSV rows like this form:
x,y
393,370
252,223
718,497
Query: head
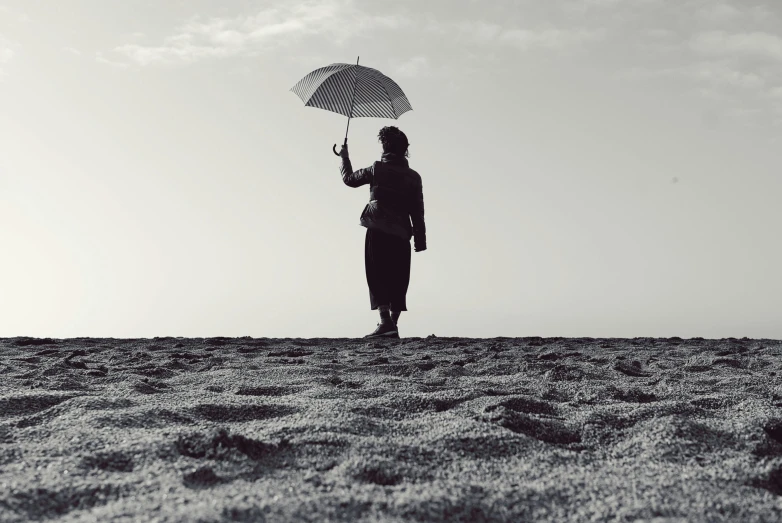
x,y
394,141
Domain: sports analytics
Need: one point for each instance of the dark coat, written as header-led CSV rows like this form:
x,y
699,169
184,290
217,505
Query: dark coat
x,y
396,198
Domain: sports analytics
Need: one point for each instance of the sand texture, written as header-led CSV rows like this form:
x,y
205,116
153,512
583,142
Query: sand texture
x,y
417,429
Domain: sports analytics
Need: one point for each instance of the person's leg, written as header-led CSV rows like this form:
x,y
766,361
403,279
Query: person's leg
x,y
376,256
374,270
399,274
385,314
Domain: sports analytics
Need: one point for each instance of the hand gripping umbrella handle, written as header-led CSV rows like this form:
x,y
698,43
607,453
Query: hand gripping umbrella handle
x,y
334,148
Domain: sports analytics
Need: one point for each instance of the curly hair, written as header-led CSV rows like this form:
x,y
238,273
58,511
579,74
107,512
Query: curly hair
x,y
394,141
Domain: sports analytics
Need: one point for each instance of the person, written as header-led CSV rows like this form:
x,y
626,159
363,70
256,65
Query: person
x,y
394,215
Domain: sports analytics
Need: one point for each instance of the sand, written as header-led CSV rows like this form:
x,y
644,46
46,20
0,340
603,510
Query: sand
x,y
417,429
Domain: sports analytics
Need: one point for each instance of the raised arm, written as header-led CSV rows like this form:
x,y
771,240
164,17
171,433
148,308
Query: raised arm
x,y
351,178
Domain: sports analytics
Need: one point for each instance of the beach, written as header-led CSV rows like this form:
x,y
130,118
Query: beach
x,y
414,429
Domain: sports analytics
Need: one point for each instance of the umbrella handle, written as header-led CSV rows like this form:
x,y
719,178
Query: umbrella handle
x,y
335,145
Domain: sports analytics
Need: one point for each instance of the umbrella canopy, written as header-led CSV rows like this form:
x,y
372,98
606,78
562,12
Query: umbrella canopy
x,y
354,91
331,88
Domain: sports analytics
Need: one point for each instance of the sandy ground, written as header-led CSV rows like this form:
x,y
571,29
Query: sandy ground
x,y
432,429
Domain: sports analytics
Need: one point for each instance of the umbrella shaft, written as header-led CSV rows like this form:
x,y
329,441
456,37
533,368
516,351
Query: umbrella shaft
x,y
352,99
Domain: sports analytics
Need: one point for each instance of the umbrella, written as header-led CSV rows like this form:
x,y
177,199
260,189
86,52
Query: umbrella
x,y
354,91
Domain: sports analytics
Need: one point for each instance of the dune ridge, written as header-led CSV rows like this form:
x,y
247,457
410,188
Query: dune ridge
x,y
417,429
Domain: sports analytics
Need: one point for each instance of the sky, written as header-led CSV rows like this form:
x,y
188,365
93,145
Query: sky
x,y
591,168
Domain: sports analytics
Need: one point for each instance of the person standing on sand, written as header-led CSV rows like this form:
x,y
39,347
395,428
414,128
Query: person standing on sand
x,y
394,214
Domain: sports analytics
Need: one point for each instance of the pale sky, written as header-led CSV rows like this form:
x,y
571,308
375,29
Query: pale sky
x,y
601,168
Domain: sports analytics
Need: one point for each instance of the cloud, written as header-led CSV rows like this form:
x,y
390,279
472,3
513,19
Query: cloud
x,y
475,30
710,74
336,20
19,15
658,33
618,3
719,12
413,67
339,20
487,33
111,63
644,73
601,7
727,52
657,40
7,53
550,38
756,44
722,74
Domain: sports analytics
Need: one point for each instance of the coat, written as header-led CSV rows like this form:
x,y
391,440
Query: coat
x,y
396,198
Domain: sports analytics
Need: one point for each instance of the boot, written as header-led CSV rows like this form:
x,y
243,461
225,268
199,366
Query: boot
x,y
386,328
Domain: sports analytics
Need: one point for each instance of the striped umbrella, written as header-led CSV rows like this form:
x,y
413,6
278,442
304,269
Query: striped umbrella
x,y
353,90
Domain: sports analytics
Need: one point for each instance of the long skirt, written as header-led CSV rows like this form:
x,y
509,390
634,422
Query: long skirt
x,y
387,261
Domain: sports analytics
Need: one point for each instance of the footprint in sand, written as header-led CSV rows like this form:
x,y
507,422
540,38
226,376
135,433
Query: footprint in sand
x,y
153,371
604,425
526,405
291,353
771,480
30,403
338,382
773,428
242,513
377,471
202,477
348,391
147,419
267,391
9,455
413,405
770,444
236,413
464,503
66,383
148,386
673,439
111,461
631,368
730,362
715,402
6,434
483,447
217,341
731,352
27,342
47,352
631,395
564,372
220,445
42,417
546,430
383,413
101,403
176,359
556,355
44,502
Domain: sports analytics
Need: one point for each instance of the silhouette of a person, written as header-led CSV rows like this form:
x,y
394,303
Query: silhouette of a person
x,y
394,214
